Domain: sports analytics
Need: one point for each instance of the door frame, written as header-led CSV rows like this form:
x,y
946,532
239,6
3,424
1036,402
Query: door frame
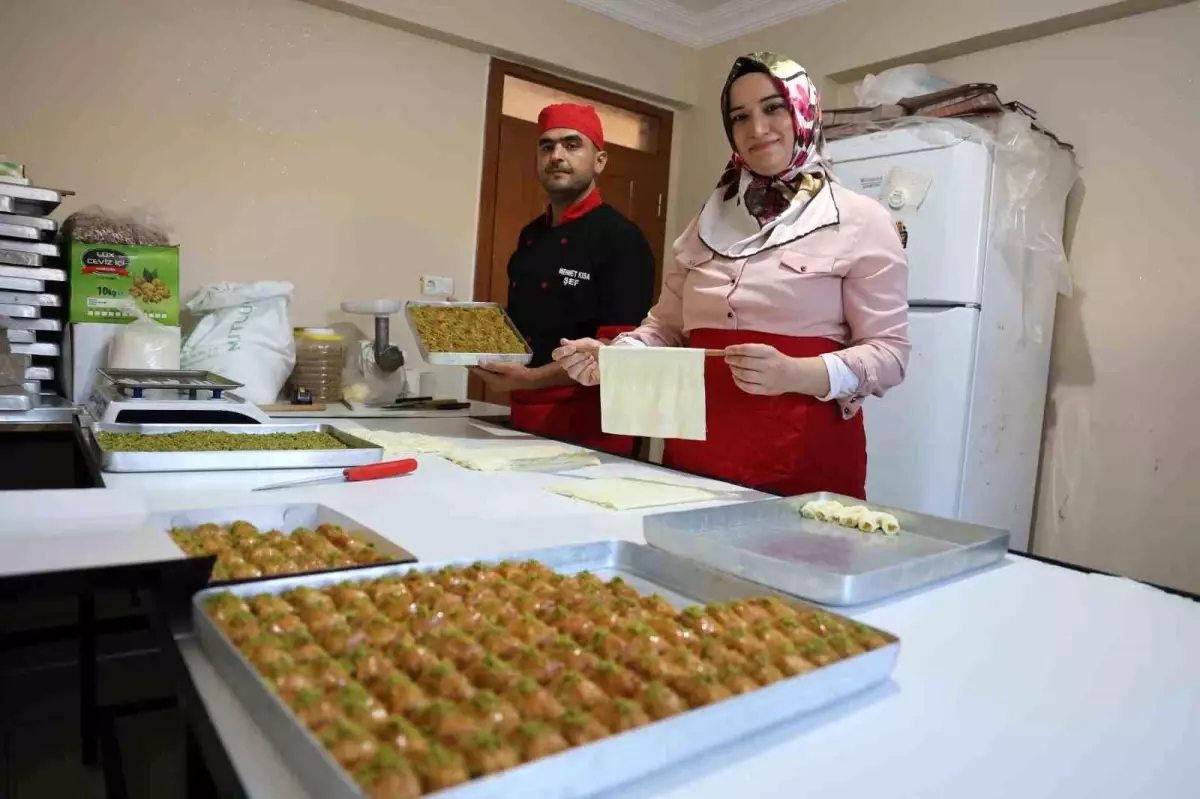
x,y
498,70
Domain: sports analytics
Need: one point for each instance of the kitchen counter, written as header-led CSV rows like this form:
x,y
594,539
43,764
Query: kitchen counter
x,y
337,410
1025,679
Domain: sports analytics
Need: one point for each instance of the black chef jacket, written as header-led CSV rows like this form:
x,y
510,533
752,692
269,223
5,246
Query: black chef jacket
x,y
568,281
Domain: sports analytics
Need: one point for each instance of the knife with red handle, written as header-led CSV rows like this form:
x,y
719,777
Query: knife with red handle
x,y
355,474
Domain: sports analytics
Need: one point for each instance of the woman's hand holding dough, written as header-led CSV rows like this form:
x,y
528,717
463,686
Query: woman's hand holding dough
x,y
762,369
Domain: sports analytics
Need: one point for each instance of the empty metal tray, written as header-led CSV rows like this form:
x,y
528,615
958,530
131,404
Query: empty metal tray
x,y
21,284
769,542
44,299
33,247
20,311
45,349
137,381
28,272
28,200
45,325
39,373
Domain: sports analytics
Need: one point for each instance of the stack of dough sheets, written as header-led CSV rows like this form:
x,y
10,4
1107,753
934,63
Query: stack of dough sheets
x,y
521,457
622,493
653,392
406,443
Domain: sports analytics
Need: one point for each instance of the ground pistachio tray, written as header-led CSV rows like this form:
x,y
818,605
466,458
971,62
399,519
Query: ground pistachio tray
x,y
487,657
463,358
356,452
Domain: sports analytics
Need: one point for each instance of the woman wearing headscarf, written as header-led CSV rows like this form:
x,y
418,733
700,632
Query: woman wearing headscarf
x,y
803,284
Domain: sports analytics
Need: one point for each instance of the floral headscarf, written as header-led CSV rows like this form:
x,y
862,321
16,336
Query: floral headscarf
x,y
740,216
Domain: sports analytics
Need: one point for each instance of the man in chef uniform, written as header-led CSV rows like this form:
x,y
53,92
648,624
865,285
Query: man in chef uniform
x,y
580,269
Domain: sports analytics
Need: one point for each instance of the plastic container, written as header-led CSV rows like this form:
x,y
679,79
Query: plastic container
x,y
318,367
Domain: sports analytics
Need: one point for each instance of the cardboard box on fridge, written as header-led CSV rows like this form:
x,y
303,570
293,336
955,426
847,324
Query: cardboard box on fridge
x,y
105,279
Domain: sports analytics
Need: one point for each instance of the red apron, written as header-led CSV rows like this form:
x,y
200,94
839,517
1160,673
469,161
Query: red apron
x,y
568,413
786,445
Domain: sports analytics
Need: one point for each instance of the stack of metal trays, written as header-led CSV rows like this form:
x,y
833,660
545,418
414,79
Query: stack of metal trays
x,y
33,282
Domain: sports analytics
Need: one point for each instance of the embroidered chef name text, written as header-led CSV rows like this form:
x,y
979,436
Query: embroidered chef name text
x,y
573,277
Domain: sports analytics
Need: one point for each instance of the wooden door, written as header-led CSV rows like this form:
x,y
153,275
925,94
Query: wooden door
x,y
634,182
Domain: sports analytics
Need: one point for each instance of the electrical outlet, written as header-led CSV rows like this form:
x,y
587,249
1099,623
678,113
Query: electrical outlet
x,y
435,286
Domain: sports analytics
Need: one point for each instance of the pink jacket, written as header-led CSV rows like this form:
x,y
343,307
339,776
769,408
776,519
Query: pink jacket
x,y
845,279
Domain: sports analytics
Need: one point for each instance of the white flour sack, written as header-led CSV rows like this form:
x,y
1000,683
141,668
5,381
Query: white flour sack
x,y
245,335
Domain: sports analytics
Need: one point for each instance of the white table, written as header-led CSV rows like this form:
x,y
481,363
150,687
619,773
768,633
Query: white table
x,y
336,410
1025,680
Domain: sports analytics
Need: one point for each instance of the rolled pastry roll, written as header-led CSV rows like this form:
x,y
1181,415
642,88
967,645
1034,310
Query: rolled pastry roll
x,y
849,516
869,522
888,523
809,509
828,511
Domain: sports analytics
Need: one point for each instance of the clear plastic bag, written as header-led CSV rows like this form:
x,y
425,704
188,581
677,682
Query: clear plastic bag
x,y
144,344
891,85
1034,172
96,225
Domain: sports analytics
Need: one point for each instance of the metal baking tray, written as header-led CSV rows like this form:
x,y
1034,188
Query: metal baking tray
x,y
138,380
12,230
45,349
39,373
360,451
18,258
16,336
284,517
29,200
45,325
21,284
42,227
14,399
26,272
33,247
585,770
20,311
464,358
44,299
770,543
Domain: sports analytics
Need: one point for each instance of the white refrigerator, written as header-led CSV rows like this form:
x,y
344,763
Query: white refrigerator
x,y
960,437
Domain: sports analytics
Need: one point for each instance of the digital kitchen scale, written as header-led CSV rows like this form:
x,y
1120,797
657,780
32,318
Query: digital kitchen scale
x,y
161,396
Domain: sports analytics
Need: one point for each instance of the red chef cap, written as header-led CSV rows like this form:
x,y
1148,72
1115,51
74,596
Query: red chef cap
x,y
582,118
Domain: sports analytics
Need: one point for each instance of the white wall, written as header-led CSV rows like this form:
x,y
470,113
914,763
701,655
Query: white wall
x,y
1121,456
277,140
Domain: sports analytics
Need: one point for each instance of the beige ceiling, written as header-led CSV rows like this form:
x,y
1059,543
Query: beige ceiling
x,y
700,23
700,6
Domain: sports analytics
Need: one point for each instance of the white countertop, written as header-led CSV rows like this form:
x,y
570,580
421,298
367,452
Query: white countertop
x,y
1024,680
336,410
